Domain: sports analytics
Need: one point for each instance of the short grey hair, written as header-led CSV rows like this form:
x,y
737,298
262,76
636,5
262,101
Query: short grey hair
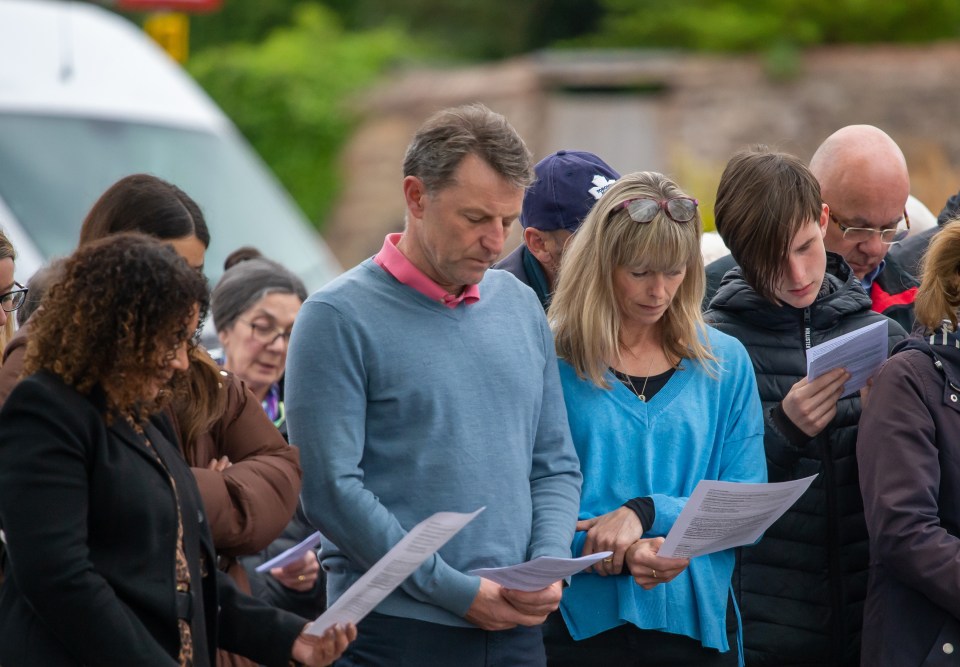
x,y
244,284
441,143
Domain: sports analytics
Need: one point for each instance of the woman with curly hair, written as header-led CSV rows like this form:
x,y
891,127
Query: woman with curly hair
x,y
249,477
110,556
656,401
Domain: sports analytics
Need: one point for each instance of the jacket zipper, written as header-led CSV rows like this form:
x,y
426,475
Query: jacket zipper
x,y
833,527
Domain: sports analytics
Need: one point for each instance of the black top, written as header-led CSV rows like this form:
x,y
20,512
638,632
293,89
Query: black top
x,y
91,523
648,386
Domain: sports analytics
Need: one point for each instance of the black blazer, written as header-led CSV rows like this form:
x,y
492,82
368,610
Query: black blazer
x,y
91,524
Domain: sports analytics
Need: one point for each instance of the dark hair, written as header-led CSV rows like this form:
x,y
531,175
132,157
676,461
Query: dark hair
x,y
245,283
441,143
38,285
146,204
134,297
764,198
241,254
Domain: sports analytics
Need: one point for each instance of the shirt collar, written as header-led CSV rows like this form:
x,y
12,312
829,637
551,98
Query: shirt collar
x,y
394,262
867,280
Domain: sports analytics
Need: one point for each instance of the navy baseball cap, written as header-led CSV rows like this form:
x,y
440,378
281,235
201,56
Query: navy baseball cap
x,y
567,186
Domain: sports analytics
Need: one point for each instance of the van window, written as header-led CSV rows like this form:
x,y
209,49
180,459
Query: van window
x,y
52,169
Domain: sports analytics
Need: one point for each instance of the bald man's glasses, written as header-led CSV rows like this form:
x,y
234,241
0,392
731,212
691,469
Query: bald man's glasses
x,y
889,236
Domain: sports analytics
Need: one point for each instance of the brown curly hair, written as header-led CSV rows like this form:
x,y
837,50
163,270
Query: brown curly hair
x,y
120,308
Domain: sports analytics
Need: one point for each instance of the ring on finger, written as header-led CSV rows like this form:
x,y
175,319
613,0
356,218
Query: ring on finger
x,y
653,572
608,560
300,577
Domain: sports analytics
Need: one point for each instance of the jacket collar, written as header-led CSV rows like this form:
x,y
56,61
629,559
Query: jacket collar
x,y
840,295
943,347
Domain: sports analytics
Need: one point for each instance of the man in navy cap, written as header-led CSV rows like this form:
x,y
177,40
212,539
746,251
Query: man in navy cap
x,y
568,183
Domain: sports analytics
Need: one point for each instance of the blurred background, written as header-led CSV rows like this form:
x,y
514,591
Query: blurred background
x,y
328,93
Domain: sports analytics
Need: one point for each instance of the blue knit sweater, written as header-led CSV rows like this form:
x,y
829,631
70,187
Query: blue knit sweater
x,y
403,407
696,427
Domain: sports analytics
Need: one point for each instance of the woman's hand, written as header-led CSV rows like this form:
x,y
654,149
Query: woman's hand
x,y
649,569
219,465
812,405
300,575
322,651
614,531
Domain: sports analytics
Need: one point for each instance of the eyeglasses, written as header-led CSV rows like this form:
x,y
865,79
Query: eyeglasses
x,y
13,299
266,334
863,234
645,209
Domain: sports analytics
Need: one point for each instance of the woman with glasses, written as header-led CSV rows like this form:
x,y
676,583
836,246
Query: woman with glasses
x,y
108,564
656,402
12,293
801,588
908,449
253,307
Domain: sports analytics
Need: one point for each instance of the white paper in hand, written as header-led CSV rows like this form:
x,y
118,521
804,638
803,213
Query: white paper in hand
x,y
723,515
291,555
861,352
537,574
423,540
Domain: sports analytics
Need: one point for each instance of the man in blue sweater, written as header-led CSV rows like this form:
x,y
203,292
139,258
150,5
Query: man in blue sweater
x,y
419,382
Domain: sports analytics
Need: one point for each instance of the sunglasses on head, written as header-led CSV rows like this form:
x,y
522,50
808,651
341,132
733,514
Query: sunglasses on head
x,y
645,209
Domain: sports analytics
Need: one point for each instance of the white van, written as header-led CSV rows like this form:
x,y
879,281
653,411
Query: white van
x,y
85,99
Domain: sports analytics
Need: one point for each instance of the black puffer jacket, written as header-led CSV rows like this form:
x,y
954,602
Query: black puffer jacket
x,y
801,589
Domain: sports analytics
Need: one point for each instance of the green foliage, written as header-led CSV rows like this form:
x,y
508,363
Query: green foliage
x,y
472,29
289,95
778,25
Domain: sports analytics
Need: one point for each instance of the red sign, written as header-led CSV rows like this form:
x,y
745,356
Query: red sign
x,y
194,6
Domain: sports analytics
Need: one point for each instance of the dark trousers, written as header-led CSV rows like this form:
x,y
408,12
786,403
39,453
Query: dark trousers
x,y
629,646
391,641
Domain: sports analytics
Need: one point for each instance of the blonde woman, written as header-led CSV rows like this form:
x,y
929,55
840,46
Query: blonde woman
x,y
656,401
908,449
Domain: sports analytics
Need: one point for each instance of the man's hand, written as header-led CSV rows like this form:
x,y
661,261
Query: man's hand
x,y
492,610
811,405
614,531
535,603
649,569
300,575
322,651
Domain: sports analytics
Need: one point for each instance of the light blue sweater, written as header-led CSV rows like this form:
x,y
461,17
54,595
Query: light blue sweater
x,y
403,407
696,427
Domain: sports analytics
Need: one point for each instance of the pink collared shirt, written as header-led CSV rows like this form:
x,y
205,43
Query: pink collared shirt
x,y
394,262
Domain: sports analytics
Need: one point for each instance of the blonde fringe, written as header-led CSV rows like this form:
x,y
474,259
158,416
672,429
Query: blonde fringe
x,y
584,314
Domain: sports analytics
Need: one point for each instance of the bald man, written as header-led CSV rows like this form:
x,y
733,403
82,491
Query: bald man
x,y
865,184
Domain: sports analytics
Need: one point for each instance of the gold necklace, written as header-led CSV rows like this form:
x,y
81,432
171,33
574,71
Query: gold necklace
x,y
640,394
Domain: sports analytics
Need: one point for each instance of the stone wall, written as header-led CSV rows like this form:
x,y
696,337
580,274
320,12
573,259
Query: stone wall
x,y
696,111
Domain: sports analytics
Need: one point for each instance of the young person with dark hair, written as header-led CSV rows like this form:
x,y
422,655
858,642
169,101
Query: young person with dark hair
x,y
801,589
